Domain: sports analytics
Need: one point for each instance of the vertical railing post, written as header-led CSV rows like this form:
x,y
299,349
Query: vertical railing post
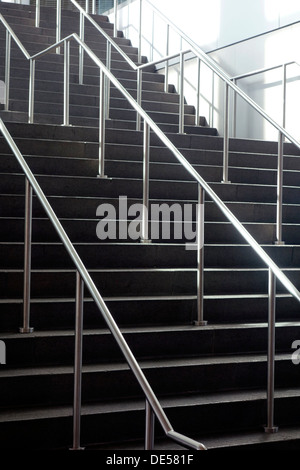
x,y
270,428
200,257
31,92
27,259
78,363
149,429
279,240
37,13
167,62
81,51
234,110
146,167
116,18
7,69
93,7
181,96
226,135
66,83
101,173
197,115
86,6
284,95
140,33
107,81
139,97
58,24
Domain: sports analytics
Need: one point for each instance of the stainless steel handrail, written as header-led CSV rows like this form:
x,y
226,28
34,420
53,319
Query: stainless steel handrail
x,y
262,70
258,72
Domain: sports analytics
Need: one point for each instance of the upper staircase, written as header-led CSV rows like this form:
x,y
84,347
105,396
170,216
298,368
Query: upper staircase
x,y
211,380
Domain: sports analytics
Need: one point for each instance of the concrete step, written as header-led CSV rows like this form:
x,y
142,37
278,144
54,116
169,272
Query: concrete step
x,y
44,347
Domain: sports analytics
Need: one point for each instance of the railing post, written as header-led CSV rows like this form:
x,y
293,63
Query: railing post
x,y
37,13
226,135
81,51
234,110
279,191
58,24
149,430
139,97
167,62
31,92
197,116
101,126
270,428
86,6
140,33
78,363
107,81
93,7
7,69
66,83
116,18
146,165
200,257
284,95
27,259
181,102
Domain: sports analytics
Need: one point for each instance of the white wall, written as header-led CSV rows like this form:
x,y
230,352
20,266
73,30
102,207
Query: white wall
x,y
217,23
229,26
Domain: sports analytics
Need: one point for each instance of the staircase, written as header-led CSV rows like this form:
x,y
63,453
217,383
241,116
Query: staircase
x,y
211,380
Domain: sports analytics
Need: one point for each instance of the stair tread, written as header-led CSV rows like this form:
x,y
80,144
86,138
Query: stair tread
x,y
148,329
147,364
242,440
138,404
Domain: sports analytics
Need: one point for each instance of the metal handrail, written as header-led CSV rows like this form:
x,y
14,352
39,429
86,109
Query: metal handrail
x,y
262,70
274,270
258,72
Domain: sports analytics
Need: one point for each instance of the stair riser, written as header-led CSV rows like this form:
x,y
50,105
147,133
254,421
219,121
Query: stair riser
x,y
62,284
133,169
171,379
49,315
92,82
55,63
129,425
82,112
187,142
139,255
165,190
37,350
67,207
84,231
46,315
135,153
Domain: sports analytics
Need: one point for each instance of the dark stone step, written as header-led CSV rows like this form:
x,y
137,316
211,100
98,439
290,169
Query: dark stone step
x,y
122,429
140,255
145,282
149,311
45,347
114,381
